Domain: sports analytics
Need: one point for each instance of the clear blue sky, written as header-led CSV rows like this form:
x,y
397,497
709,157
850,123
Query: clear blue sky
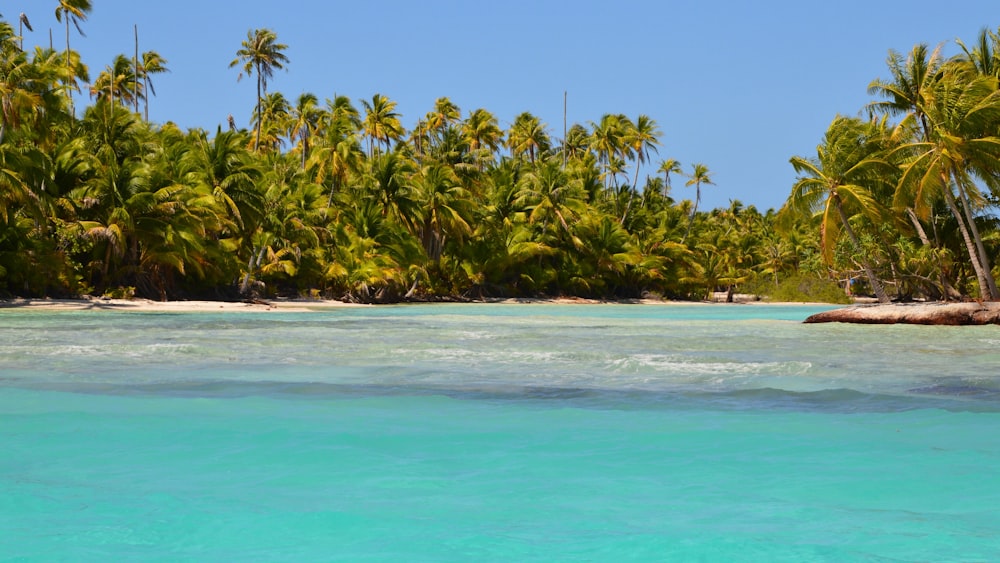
x,y
739,86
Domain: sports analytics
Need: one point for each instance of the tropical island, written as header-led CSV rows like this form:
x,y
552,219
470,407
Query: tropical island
x,y
340,200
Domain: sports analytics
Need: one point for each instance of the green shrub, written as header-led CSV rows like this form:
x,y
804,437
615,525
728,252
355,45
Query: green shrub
x,y
806,289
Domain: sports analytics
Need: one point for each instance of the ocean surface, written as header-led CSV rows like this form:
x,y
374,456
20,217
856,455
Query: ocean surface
x,y
496,433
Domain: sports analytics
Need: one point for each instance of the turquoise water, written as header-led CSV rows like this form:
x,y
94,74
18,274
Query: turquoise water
x,y
496,433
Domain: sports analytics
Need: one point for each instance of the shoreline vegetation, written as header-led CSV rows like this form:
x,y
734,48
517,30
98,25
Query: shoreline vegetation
x,y
296,305
341,201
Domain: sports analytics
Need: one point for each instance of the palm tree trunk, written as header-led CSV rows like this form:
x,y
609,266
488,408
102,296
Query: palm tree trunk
x,y
970,245
256,142
69,67
694,211
136,64
869,272
983,256
917,226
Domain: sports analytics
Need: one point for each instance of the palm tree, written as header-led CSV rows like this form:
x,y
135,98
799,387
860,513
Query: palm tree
x,y
961,110
445,208
668,167
381,123
607,139
260,55
116,82
984,56
73,11
527,135
304,121
699,175
483,135
151,63
551,197
642,137
840,179
271,121
23,22
338,151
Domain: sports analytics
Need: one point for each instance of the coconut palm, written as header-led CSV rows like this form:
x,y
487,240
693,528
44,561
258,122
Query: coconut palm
x,y
838,183
117,83
303,122
74,11
445,208
961,109
699,175
151,63
607,140
23,22
643,136
338,151
260,55
984,55
551,197
668,167
483,135
381,122
271,122
527,135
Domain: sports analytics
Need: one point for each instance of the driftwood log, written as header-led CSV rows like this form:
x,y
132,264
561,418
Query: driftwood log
x,y
953,314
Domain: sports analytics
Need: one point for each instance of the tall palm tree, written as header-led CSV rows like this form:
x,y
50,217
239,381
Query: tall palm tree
x,y
445,208
151,63
984,55
74,11
668,167
381,122
338,150
260,55
23,22
699,175
116,82
304,121
527,135
962,110
642,137
483,135
271,121
551,197
839,180
607,139
19,94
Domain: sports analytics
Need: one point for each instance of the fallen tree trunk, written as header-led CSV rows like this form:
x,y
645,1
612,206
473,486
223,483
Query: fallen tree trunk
x,y
951,314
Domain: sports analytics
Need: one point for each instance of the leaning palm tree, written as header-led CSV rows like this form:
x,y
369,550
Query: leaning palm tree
x,y
838,181
962,110
260,55
699,175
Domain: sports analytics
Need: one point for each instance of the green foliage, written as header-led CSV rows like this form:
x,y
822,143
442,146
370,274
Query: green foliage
x,y
804,289
329,200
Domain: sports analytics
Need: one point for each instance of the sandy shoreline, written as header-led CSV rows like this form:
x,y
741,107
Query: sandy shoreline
x,y
291,305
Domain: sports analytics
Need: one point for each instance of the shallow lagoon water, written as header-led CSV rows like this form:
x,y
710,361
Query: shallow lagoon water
x,y
496,432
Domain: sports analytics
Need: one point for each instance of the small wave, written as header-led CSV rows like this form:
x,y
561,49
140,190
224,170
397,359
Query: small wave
x,y
674,364
835,401
100,350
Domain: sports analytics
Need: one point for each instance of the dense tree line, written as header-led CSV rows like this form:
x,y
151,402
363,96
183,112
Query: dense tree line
x,y
329,198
